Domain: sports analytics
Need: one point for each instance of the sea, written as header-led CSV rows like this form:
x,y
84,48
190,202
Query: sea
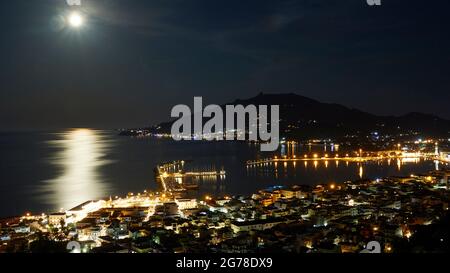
x,y
44,172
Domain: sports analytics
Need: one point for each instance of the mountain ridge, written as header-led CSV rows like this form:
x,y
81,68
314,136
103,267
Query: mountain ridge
x,y
303,117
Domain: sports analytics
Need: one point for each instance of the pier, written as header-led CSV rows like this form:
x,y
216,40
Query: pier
x,y
347,158
172,176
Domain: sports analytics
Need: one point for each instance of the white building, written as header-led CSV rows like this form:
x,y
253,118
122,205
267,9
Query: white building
x,y
186,204
255,225
56,218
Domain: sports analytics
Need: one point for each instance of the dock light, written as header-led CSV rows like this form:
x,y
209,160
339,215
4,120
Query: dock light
x,y
326,155
408,234
315,155
332,186
306,156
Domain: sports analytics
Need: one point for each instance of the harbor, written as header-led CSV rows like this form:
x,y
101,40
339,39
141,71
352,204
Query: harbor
x,y
174,178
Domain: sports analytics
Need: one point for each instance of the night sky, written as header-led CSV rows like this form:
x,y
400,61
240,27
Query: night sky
x,y
133,60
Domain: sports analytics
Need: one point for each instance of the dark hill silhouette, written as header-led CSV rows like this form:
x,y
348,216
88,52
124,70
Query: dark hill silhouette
x,y
302,117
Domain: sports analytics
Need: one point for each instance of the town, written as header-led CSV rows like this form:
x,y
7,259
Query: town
x,y
328,218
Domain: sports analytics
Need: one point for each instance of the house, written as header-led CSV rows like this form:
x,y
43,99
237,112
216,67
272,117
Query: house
x,y
256,224
184,204
22,229
5,237
56,219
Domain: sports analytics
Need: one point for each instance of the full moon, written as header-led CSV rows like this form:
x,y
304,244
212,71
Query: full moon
x,y
75,20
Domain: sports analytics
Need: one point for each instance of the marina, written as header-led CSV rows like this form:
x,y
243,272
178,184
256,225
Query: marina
x,y
173,177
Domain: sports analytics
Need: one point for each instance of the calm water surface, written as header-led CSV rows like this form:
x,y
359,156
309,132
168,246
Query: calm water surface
x,y
43,172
